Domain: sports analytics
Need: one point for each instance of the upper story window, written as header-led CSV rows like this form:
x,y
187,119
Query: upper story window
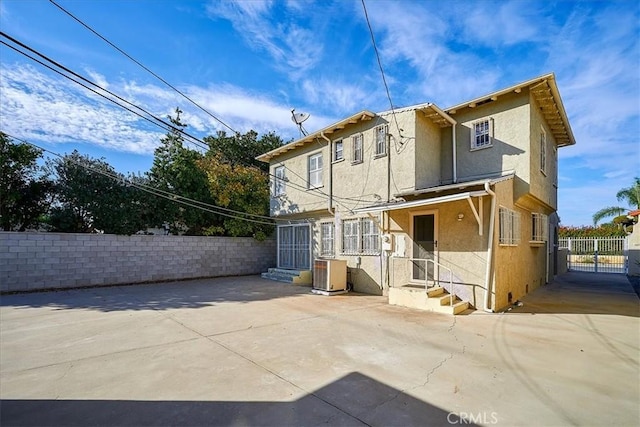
x,y
381,140
509,223
327,239
357,148
338,151
543,151
315,170
482,134
279,182
539,227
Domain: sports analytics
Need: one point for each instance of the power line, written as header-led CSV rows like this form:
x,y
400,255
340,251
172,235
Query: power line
x,y
158,192
384,80
143,66
152,118
156,120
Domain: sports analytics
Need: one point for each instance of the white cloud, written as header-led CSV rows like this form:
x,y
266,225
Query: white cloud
x,y
37,107
293,48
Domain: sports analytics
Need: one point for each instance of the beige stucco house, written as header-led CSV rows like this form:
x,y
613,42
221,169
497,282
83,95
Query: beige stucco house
x,y
461,201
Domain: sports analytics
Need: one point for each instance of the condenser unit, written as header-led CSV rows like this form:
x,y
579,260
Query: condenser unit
x,y
330,275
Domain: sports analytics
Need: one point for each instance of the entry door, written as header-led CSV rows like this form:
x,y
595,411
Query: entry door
x,y
294,247
424,247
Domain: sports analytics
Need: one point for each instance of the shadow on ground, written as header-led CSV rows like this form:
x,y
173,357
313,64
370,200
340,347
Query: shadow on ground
x,y
354,399
159,296
584,293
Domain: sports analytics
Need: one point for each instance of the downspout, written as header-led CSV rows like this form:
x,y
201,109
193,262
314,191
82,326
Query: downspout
x,y
487,276
388,136
453,150
330,201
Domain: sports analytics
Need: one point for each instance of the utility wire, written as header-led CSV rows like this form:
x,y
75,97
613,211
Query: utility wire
x,y
158,192
143,66
154,119
384,80
165,125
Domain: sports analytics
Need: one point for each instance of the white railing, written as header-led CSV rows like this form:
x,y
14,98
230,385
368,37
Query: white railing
x,y
599,255
436,273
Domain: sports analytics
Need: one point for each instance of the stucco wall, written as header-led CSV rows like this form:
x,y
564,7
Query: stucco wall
x,y
521,268
634,251
510,149
367,181
31,261
542,185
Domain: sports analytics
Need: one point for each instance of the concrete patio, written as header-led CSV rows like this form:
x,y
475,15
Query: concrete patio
x,y
246,351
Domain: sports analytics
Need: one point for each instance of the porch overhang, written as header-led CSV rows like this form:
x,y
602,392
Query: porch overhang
x,y
468,195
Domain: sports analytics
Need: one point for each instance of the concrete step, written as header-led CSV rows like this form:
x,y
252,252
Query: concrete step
x,y
296,277
436,300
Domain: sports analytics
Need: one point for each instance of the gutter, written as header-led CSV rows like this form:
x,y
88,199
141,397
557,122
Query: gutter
x,y
330,201
487,276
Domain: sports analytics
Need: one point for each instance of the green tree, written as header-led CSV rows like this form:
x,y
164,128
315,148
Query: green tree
x,y
243,149
243,189
631,195
175,170
92,197
25,189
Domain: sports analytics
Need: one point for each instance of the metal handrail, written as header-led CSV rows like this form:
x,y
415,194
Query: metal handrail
x,y
436,280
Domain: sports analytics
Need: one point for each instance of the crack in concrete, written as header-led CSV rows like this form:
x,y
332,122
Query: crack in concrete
x,y
432,371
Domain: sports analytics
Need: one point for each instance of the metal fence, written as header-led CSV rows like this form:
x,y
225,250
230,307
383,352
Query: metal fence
x,y
596,255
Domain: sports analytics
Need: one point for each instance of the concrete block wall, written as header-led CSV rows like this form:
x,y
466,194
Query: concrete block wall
x,y
33,261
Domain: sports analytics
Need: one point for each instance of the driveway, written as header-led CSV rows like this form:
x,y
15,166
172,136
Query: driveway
x,y
246,351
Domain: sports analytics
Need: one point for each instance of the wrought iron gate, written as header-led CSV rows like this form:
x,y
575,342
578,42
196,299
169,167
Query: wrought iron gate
x,y
294,246
596,255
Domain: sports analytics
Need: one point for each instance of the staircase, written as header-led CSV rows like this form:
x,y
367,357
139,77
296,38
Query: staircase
x,y
296,277
436,299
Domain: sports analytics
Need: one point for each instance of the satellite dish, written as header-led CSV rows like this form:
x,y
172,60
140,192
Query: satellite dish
x,y
298,119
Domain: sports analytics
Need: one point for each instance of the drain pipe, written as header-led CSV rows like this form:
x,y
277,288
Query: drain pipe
x,y
330,201
487,276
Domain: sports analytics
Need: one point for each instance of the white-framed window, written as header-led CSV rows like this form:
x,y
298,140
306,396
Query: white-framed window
x,y
381,140
370,236
279,187
360,236
482,134
509,222
543,151
356,140
315,170
327,239
539,227
338,150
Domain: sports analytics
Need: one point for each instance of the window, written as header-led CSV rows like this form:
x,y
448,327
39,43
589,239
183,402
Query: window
x,y
509,227
357,148
315,170
381,140
482,134
543,151
279,182
326,239
370,236
338,152
539,227
360,236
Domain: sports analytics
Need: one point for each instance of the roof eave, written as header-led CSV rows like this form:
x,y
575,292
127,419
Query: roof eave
x,y
362,115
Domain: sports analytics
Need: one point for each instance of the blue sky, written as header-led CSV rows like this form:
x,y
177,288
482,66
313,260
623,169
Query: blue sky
x,y
250,62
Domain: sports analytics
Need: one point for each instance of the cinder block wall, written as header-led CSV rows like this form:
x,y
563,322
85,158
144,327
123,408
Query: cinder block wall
x,y
31,261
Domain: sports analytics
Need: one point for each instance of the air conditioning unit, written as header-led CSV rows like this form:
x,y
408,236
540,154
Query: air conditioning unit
x,y
330,275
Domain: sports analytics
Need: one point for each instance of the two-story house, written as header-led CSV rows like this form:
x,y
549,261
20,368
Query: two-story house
x,y
423,202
